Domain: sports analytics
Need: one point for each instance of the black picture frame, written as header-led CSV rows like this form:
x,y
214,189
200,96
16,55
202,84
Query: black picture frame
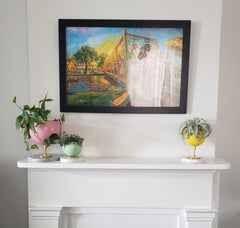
x,y
77,70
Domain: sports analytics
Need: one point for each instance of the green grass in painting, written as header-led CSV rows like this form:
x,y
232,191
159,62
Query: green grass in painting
x,y
100,98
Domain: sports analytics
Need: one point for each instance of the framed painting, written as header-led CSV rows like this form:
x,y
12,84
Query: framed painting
x,y
124,66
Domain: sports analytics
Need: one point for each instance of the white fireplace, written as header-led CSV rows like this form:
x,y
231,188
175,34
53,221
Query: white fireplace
x,y
129,193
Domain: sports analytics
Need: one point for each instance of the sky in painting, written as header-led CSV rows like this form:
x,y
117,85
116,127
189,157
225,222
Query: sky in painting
x,y
96,36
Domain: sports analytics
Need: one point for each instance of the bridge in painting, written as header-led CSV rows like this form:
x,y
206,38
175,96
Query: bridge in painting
x,y
117,65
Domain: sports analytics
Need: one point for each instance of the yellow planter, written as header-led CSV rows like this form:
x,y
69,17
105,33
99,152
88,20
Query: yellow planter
x,y
194,141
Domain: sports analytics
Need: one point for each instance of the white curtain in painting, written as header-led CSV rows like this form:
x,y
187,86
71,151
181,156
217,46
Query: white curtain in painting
x,y
152,82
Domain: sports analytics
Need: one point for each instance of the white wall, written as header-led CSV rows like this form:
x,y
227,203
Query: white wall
x,y
130,134
227,145
13,81
154,129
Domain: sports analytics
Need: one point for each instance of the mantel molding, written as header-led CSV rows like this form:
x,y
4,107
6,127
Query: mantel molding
x,y
91,163
124,192
200,214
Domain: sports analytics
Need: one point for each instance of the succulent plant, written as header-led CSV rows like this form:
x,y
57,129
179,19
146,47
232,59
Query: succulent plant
x,y
198,127
66,139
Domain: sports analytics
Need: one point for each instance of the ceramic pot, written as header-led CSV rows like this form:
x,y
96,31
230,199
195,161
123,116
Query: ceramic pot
x,y
45,130
193,141
72,149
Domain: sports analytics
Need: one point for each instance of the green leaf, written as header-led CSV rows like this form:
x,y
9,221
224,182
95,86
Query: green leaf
x,y
45,114
63,117
33,109
18,122
34,146
32,127
14,100
26,133
40,120
54,137
26,107
43,105
25,115
43,102
48,142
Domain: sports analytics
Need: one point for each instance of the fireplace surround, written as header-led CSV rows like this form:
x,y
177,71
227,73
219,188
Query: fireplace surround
x,y
124,192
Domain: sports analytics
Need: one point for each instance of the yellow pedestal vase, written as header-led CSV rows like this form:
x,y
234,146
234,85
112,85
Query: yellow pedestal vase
x,y
193,141
194,132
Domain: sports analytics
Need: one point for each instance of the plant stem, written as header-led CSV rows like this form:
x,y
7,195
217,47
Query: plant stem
x,y
25,140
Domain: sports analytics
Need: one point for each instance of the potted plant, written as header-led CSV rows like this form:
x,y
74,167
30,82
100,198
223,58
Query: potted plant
x,y
194,132
71,144
34,124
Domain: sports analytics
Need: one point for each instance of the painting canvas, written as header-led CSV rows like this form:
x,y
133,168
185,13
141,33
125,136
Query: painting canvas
x,y
127,66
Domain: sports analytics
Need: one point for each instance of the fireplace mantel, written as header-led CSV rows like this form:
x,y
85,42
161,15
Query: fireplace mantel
x,y
124,192
129,163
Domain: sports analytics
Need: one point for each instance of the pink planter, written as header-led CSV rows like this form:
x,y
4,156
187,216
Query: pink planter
x,y
45,130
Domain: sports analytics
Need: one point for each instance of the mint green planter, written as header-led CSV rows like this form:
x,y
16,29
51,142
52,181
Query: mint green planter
x,y
72,149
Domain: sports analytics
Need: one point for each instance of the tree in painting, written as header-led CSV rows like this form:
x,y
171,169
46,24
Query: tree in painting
x,y
101,58
86,55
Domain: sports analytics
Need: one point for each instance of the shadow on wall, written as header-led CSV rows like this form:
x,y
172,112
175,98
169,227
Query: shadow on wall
x,y
230,220
229,214
13,195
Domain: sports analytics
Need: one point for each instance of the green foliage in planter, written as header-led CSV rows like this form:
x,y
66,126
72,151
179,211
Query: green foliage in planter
x,y
51,140
70,138
199,127
31,116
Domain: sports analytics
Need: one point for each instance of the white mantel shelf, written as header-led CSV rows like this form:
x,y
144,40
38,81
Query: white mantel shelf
x,y
128,164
